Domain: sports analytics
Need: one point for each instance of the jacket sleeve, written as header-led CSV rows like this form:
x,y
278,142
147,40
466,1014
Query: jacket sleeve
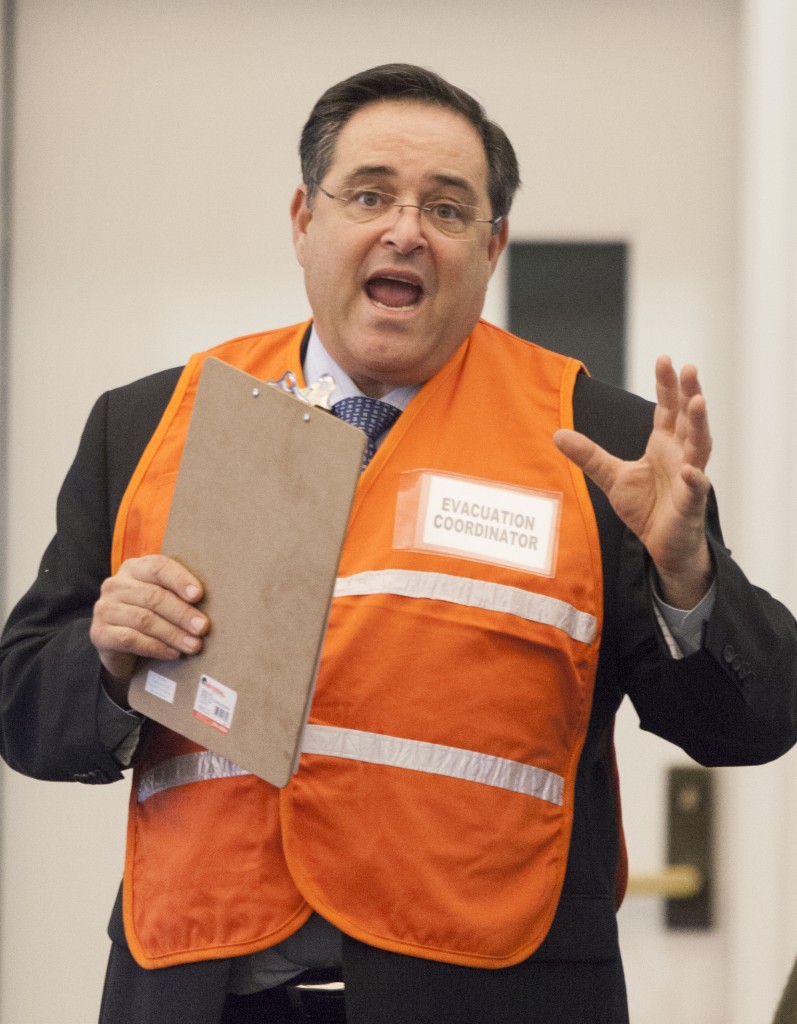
x,y
56,721
735,700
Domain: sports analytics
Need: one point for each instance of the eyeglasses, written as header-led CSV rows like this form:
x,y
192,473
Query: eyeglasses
x,y
455,220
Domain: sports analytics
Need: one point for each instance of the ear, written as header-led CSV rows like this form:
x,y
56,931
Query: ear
x,y
497,243
301,215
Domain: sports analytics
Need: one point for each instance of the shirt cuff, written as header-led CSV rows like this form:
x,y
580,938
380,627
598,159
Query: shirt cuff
x,y
683,629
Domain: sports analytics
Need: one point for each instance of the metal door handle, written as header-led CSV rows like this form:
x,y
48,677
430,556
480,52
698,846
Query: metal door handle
x,y
676,882
686,884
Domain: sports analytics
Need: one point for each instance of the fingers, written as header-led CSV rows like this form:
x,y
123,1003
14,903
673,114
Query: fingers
x,y
146,610
669,396
674,391
681,409
666,383
697,446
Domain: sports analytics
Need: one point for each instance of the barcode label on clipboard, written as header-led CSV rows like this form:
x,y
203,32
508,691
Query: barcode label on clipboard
x,y
215,703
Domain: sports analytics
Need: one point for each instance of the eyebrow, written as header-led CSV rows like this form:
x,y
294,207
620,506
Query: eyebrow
x,y
385,171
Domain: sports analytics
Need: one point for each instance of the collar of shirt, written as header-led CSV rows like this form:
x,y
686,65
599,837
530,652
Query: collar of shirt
x,y
318,361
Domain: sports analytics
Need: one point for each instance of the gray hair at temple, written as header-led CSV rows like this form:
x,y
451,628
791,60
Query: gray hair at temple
x,y
404,82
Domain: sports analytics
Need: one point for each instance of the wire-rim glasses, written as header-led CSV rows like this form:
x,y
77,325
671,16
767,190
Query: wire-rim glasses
x,y
449,217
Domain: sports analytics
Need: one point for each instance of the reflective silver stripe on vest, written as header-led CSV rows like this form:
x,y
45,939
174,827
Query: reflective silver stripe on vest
x,y
179,771
435,759
494,597
373,748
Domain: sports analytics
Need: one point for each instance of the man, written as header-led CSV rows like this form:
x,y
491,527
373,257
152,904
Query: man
x,y
452,836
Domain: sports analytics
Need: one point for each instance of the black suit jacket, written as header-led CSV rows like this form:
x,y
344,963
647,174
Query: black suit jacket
x,y
733,702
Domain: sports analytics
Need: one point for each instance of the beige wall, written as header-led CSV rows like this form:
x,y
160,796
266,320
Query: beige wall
x,y
155,154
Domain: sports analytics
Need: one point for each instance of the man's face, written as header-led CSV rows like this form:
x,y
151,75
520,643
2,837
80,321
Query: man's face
x,y
394,298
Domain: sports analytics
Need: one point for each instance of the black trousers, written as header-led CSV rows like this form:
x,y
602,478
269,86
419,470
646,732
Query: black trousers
x,y
381,988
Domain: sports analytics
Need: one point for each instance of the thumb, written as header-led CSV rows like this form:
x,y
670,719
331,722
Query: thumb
x,y
595,461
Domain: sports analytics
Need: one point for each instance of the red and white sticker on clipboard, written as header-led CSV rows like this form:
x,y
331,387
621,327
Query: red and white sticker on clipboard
x,y
215,703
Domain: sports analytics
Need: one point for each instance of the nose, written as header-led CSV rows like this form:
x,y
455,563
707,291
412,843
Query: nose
x,y
405,230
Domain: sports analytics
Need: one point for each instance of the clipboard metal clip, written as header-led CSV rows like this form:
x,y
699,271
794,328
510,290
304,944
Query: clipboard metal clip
x,y
316,394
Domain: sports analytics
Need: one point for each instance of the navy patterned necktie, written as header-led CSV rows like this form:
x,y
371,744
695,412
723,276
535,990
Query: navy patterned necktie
x,y
370,415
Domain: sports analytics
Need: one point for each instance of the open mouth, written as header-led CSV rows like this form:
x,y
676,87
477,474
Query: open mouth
x,y
393,292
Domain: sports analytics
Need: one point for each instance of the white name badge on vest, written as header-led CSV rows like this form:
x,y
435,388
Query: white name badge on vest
x,y
478,519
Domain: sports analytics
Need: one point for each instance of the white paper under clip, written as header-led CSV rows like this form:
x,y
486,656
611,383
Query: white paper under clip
x,y
316,394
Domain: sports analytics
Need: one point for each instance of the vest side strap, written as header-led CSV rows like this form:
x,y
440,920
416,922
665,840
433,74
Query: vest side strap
x,y
371,748
179,771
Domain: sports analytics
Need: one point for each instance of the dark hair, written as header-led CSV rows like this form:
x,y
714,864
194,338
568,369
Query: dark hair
x,y
404,82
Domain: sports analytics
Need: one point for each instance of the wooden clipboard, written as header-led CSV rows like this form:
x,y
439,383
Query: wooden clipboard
x,y
259,514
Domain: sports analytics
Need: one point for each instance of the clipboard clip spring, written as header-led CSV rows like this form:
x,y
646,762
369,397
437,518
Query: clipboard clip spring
x,y
315,394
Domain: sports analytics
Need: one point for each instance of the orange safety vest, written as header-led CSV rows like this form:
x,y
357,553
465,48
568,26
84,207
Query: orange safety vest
x,y
432,809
